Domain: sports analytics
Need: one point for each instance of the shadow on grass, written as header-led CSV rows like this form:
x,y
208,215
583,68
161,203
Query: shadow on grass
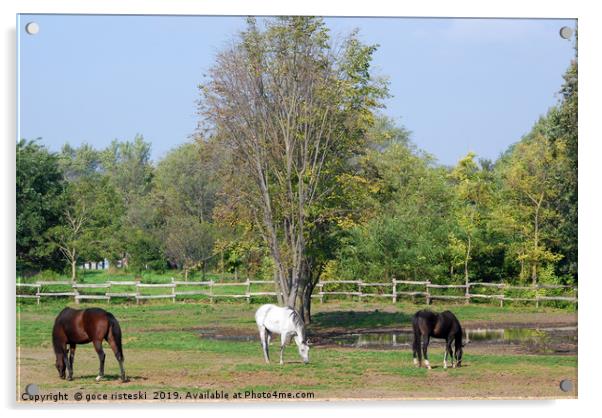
x,y
357,320
108,378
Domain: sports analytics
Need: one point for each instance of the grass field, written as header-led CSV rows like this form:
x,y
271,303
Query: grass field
x,y
164,352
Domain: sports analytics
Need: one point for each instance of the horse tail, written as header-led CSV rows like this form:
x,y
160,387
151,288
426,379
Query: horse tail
x,y
58,343
415,325
115,331
458,337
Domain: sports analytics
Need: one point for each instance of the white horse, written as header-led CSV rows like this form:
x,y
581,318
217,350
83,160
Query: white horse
x,y
284,321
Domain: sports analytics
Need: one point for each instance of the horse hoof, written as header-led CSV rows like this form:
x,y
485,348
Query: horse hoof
x,y
69,378
98,378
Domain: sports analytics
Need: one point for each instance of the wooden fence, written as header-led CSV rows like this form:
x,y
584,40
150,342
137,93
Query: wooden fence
x,y
204,288
362,290
429,291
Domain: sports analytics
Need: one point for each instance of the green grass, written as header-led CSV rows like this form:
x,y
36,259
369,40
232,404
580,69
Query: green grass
x,y
164,351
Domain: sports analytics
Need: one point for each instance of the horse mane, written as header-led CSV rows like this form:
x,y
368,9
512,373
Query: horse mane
x,y
296,318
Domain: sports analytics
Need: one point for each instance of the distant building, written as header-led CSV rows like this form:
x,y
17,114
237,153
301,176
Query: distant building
x,y
96,265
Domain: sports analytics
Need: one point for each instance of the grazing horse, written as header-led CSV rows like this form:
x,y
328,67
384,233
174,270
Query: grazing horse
x,y
74,326
444,325
284,321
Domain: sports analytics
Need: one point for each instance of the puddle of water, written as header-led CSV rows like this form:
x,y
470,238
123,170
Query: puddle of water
x,y
535,339
540,340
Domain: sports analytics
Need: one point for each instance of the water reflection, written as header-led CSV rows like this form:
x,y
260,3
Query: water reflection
x,y
542,340
540,337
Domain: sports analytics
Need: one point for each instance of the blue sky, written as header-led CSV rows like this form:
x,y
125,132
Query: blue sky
x,y
459,85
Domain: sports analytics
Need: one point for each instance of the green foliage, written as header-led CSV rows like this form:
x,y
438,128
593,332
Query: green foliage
x,y
40,203
407,233
186,181
188,242
296,172
90,225
128,166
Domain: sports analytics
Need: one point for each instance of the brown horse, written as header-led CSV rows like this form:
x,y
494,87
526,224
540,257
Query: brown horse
x,y
74,326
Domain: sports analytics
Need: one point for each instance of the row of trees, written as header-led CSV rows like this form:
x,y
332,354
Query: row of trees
x,y
295,175
86,204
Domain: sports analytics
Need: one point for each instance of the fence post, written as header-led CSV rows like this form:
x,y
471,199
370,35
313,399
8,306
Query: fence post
x,y
394,289
248,290
211,291
173,290
467,293
137,291
76,292
359,287
428,293
38,292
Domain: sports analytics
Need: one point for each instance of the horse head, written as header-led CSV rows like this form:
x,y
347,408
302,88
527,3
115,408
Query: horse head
x,y
459,352
304,351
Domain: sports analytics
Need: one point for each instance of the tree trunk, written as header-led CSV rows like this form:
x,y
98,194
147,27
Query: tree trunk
x,y
306,303
73,270
279,291
468,249
536,244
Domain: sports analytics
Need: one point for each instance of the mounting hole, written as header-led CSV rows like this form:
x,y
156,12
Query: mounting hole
x,y
566,385
32,389
32,28
566,32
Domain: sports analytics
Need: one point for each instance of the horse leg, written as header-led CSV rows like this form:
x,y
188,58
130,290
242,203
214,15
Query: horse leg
x,y
425,345
448,350
71,358
417,356
66,361
283,340
118,356
101,358
263,336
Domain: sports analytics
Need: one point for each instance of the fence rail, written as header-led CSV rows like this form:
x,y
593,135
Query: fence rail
x,y
429,291
424,289
41,289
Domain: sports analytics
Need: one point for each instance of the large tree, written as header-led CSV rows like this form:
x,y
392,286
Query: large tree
x,y
530,175
128,165
562,126
40,202
91,221
292,110
472,196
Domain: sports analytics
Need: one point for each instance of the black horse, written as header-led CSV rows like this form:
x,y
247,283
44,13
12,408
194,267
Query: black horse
x,y
444,325
73,326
